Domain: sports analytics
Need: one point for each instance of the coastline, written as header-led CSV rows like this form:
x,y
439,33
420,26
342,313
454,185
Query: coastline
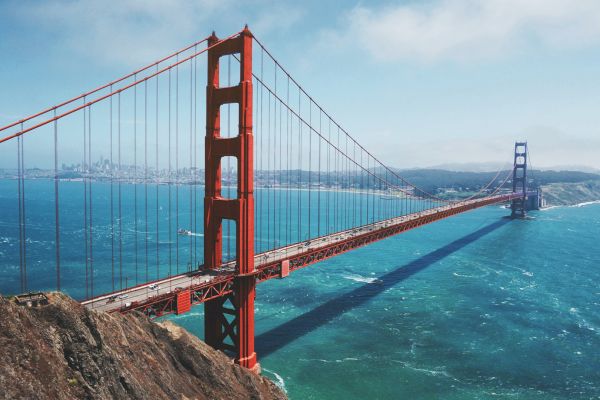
x,y
571,194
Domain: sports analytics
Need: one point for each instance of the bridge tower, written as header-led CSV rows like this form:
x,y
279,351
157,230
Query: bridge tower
x,y
519,181
229,320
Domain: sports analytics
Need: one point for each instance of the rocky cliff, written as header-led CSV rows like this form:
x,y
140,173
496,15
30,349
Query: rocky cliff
x,y
63,351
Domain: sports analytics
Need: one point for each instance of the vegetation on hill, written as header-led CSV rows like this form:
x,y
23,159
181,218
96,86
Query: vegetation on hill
x,y
557,194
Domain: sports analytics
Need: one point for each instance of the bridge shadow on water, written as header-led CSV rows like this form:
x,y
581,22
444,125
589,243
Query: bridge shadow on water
x,y
274,339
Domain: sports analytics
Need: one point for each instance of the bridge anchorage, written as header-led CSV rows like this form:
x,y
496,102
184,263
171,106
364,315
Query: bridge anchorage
x,y
305,190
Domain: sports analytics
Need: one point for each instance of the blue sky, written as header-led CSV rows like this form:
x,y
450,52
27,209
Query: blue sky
x,y
420,83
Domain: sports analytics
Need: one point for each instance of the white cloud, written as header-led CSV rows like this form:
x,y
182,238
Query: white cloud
x,y
469,29
135,32
127,32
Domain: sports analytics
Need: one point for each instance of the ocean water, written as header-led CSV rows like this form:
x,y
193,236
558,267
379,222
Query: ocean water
x,y
472,307
102,249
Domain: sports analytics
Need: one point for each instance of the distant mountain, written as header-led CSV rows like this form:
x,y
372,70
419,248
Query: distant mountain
x,y
495,166
470,167
433,179
581,168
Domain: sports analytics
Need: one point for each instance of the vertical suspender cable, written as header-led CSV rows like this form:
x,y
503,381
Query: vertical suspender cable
x,y
327,226
299,170
156,177
91,202
85,206
280,174
362,188
319,177
135,181
195,159
112,212
275,160
177,166
268,170
170,240
191,184
262,170
146,176
274,152
338,208
309,154
347,191
22,217
20,212
374,218
23,172
56,205
288,213
119,191
353,187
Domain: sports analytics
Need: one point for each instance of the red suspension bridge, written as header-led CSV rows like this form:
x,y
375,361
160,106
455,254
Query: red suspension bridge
x,y
136,220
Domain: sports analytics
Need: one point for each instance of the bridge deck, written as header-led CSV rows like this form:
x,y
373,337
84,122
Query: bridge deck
x,y
203,285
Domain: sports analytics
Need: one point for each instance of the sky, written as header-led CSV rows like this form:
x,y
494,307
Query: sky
x,y
419,83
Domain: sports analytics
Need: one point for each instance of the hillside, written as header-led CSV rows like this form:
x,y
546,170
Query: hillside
x,y
432,179
63,351
557,194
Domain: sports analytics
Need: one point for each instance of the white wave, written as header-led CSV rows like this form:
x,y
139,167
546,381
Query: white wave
x,y
413,347
586,203
362,279
582,322
187,315
330,361
470,276
533,285
527,273
549,208
431,372
279,380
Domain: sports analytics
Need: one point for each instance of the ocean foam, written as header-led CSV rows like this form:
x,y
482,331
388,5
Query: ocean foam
x,y
471,276
362,279
586,203
278,379
431,372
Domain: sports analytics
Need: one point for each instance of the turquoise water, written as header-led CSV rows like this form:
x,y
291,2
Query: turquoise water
x,y
143,244
473,307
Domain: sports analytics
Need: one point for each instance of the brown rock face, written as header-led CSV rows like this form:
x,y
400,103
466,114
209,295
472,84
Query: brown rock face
x,y
63,351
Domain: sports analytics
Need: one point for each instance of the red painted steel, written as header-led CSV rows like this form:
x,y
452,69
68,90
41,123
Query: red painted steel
x,y
285,269
218,329
184,303
223,286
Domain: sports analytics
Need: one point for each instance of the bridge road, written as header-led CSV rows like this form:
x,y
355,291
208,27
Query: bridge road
x,y
143,293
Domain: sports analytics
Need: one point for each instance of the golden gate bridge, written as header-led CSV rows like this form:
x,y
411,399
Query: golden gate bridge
x,y
282,186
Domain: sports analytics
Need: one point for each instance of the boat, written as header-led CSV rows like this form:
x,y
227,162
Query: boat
x,y
184,232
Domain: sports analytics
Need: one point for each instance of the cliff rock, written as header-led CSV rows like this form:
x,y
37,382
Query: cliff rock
x,y
63,351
